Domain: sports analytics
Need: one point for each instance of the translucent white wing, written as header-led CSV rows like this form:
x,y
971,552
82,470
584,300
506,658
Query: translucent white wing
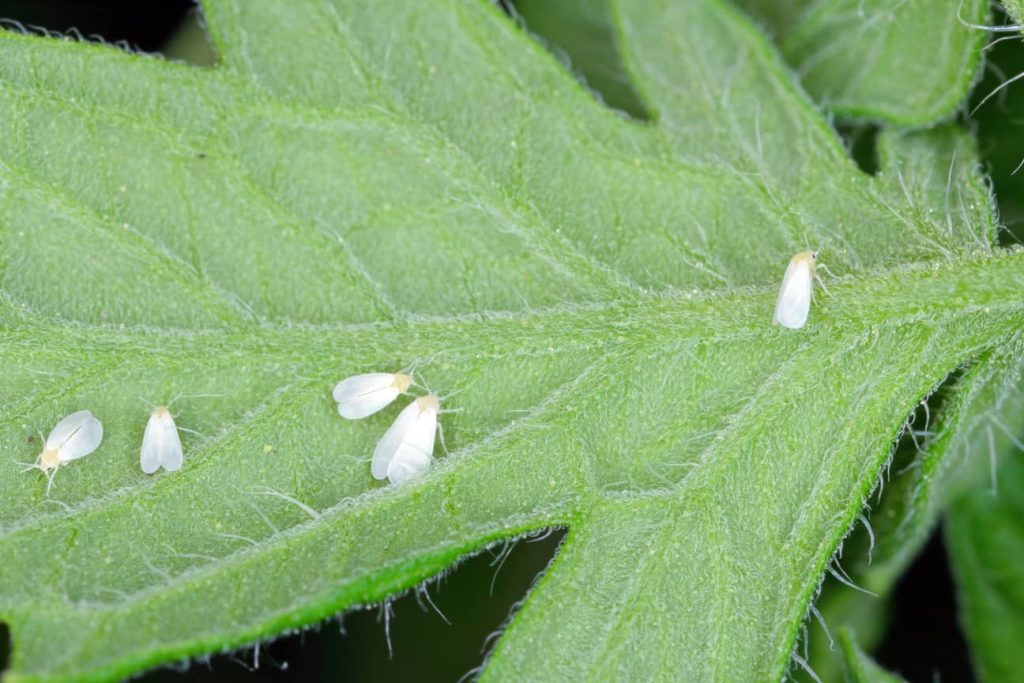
x,y
364,395
414,455
794,300
358,385
170,454
161,445
409,462
393,438
367,404
422,432
65,428
82,441
149,457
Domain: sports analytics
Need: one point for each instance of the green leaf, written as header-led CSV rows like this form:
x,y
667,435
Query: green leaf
x,y
860,668
581,31
364,186
936,465
985,536
946,456
994,107
840,50
985,397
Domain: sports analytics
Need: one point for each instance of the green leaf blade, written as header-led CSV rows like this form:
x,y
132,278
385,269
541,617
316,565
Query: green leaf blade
x,y
859,667
599,294
944,458
838,50
985,538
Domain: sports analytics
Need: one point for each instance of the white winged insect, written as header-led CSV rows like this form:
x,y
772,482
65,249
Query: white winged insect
x,y
363,395
74,437
407,449
161,445
794,300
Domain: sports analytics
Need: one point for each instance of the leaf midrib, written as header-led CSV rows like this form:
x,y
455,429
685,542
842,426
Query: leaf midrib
x,y
126,495
658,314
715,315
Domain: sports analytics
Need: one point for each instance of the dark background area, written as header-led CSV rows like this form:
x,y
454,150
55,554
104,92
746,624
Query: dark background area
x,y
145,25
924,641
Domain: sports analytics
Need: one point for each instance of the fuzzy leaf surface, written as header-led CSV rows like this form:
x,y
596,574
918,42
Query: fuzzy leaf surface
x,y
364,186
944,454
839,49
985,537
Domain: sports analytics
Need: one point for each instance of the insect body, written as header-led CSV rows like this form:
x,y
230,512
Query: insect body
x,y
794,300
406,449
76,436
363,395
161,445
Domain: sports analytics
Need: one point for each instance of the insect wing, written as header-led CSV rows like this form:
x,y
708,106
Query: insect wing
x,y
82,441
65,428
170,455
367,404
415,453
364,395
794,300
409,462
353,387
393,438
149,456
422,432
161,445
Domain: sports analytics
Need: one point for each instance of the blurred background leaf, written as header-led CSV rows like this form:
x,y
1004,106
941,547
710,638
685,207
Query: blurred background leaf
x,y
985,534
859,667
